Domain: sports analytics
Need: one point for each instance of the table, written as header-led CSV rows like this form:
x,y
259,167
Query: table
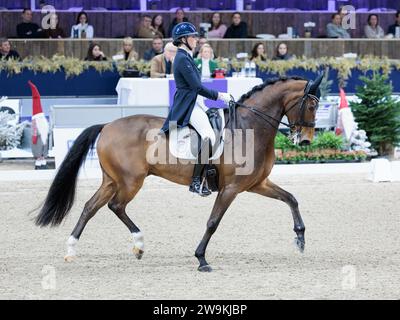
x,y
157,92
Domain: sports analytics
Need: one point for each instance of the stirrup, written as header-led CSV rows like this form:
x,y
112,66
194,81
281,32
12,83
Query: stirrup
x,y
199,187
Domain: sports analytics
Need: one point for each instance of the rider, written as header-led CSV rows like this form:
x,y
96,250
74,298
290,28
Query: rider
x,y
188,107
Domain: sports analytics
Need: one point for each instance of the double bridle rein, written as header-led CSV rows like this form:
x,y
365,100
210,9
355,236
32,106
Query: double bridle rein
x,y
299,123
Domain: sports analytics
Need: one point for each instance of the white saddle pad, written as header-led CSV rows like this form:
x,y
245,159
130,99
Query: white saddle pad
x,y
180,142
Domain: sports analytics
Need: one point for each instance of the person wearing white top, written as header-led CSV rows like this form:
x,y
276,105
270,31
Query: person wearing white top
x,y
205,62
373,30
82,29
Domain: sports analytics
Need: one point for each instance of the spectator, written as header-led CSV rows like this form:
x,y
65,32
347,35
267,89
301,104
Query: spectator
x,y
218,29
27,29
334,29
373,30
5,51
156,49
179,17
202,41
127,53
146,30
158,24
392,28
238,28
54,32
82,29
205,62
282,52
162,64
258,52
95,53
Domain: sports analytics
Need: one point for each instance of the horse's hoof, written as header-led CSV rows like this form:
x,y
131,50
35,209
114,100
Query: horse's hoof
x,y
69,258
300,244
206,268
138,253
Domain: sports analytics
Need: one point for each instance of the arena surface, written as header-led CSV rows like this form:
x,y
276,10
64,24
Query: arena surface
x,y
352,249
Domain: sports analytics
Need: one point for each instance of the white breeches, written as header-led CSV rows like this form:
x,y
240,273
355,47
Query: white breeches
x,y
199,120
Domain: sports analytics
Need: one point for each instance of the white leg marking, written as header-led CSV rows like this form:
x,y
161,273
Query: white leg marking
x,y
71,246
138,240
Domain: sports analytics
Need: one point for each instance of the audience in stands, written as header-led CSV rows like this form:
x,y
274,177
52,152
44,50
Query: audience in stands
x,y
5,51
238,28
82,29
55,31
202,41
217,29
373,30
258,53
162,64
156,49
179,17
392,28
27,29
205,62
128,52
146,30
282,52
95,53
334,29
158,24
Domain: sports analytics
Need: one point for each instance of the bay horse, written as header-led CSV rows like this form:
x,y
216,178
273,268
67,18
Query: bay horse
x,y
122,146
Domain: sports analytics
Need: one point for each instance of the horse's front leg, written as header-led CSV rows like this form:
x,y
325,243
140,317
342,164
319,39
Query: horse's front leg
x,y
271,190
222,203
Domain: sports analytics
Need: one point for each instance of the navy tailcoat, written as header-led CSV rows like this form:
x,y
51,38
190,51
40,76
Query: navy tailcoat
x,y
188,86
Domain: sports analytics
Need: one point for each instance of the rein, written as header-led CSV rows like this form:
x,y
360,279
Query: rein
x,y
267,118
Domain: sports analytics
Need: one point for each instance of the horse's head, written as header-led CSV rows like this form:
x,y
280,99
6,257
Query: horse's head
x,y
301,110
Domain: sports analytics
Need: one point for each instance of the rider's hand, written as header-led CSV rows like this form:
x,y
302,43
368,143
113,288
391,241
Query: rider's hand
x,y
225,97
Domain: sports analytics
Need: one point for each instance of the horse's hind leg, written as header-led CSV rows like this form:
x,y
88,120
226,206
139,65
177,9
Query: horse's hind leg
x,y
125,193
271,190
99,199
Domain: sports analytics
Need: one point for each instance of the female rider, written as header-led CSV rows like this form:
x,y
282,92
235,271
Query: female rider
x,y
187,107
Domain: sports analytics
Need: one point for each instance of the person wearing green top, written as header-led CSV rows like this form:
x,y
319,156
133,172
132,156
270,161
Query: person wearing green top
x,y
205,62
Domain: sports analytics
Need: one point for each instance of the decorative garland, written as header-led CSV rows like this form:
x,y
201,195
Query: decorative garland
x,y
74,67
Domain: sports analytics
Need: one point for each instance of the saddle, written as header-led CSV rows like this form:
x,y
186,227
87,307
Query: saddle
x,y
184,142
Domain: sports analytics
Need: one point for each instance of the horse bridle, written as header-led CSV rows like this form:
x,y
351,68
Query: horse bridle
x,y
299,123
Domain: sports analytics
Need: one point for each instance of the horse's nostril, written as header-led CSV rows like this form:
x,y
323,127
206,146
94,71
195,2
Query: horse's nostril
x,y
305,143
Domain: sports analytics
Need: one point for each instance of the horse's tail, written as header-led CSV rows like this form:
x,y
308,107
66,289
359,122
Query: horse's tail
x,y
60,197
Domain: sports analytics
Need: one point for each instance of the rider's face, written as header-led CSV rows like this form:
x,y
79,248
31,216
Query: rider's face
x,y
192,41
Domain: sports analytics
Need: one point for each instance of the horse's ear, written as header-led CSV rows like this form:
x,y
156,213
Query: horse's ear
x,y
315,84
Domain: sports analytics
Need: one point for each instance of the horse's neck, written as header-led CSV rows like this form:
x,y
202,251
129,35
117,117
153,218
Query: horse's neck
x,y
246,119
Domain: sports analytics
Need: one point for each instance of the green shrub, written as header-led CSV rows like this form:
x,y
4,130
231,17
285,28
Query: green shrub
x,y
283,142
327,140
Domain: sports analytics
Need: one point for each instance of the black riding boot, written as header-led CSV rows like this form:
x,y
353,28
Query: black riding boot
x,y
196,181
195,186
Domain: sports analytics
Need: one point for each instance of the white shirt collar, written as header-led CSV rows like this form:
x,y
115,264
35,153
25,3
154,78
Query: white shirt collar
x,y
187,50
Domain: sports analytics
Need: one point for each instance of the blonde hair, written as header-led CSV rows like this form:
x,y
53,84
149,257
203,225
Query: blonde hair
x,y
133,55
204,46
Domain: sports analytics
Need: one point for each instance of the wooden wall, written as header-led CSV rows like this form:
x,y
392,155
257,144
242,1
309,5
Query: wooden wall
x,y
223,48
119,24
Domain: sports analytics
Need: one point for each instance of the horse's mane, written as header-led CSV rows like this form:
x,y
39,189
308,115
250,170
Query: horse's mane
x,y
266,83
